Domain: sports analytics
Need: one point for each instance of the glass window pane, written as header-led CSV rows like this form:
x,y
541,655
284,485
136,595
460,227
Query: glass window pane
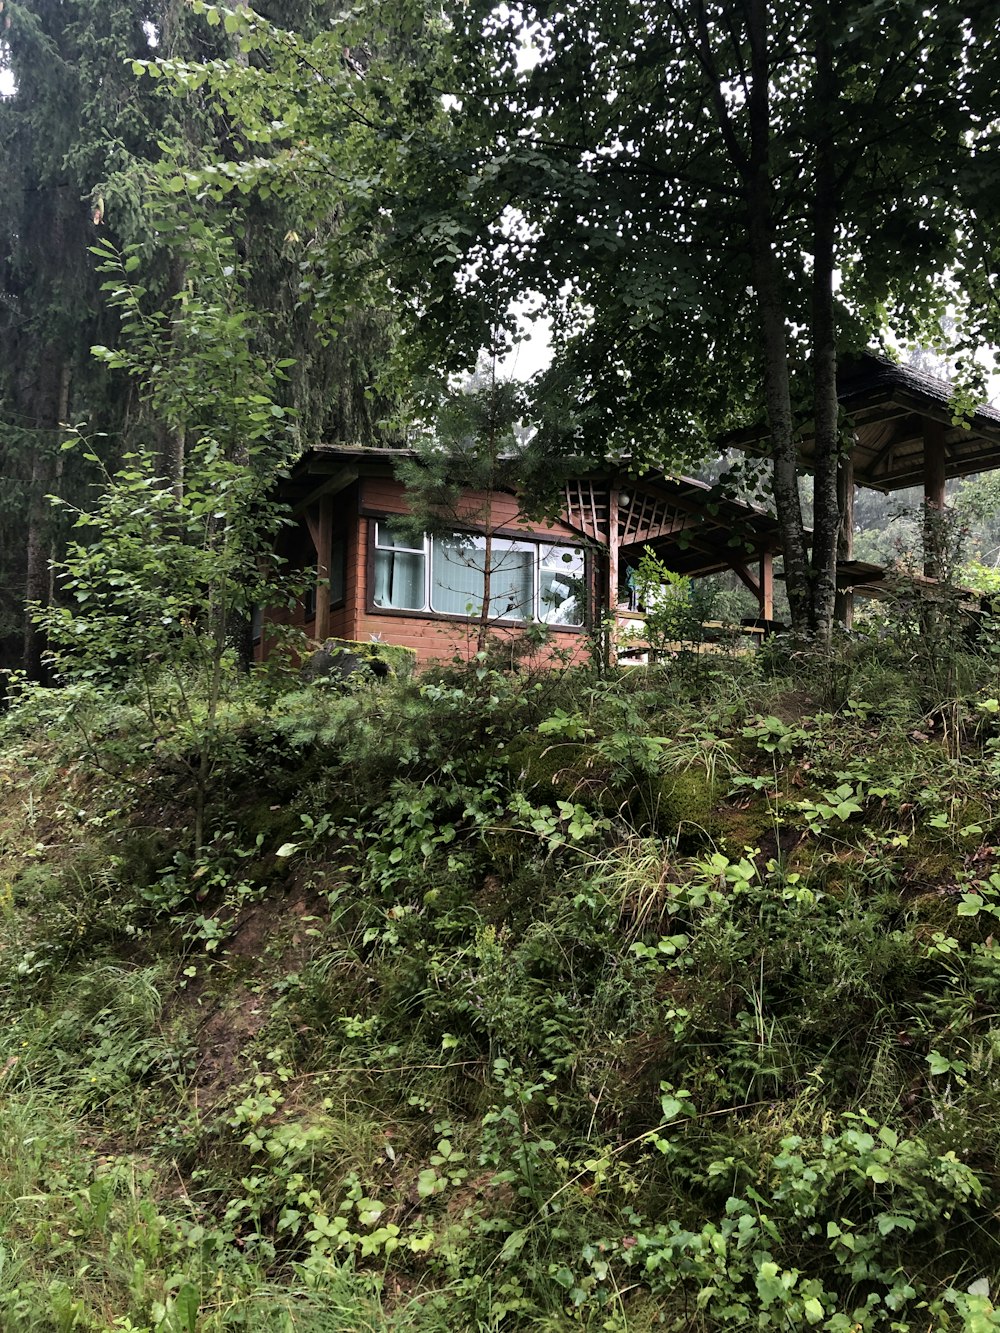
x,y
567,559
397,541
562,586
457,575
399,580
512,582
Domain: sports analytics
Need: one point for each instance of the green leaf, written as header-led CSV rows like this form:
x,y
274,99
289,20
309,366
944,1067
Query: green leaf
x,y
971,905
186,1305
890,1222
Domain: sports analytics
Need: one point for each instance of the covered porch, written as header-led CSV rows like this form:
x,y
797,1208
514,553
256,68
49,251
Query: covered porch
x,y
686,523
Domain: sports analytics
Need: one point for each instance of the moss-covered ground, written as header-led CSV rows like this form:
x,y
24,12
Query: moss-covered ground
x,y
661,999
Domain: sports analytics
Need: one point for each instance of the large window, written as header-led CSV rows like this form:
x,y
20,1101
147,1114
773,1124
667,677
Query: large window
x,y
447,574
458,577
561,585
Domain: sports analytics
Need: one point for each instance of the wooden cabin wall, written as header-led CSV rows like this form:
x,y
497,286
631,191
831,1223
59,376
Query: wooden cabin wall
x,y
296,547
433,638
385,495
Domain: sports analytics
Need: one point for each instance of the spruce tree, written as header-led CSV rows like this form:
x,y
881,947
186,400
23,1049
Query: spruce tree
x,y
88,149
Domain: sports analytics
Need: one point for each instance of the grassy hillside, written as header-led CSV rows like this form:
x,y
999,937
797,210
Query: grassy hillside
x,y
660,1000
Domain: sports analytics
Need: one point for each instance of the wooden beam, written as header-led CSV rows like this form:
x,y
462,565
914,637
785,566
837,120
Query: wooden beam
x,y
646,536
611,590
323,552
960,465
313,527
875,415
340,480
746,578
935,464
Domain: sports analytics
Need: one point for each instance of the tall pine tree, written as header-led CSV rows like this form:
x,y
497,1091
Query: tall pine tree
x,y
86,148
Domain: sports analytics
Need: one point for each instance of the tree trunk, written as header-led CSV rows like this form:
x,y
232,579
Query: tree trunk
x,y
826,410
52,408
36,573
483,636
171,438
768,288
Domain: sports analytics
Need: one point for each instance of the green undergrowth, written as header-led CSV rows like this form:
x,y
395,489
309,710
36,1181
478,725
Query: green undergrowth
x,y
664,999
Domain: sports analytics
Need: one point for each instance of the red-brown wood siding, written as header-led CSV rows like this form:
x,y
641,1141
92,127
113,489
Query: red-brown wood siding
x,y
385,495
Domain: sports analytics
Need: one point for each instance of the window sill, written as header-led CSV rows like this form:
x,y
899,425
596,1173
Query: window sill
x,y
398,613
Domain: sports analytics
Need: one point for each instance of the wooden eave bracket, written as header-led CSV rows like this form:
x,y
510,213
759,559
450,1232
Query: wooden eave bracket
x,y
336,482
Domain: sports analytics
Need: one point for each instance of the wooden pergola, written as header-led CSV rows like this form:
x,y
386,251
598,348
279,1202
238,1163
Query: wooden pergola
x,y
690,527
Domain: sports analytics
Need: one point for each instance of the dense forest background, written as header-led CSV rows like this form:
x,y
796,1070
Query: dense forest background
x,y
87,146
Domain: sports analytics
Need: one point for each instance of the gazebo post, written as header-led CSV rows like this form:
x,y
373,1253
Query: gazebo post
x,y
934,478
611,586
767,586
843,611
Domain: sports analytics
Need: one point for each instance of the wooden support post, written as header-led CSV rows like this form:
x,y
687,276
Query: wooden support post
x,y
312,526
843,610
324,549
934,478
611,586
742,572
767,586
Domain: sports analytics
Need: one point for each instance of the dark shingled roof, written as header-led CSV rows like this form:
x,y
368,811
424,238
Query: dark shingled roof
x,y
891,407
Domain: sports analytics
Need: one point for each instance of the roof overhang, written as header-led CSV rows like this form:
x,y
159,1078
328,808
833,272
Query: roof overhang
x,y
685,521
893,409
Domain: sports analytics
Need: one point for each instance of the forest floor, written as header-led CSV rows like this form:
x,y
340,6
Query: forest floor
x,y
668,998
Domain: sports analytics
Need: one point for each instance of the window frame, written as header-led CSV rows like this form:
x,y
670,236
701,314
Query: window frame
x,y
424,551
517,539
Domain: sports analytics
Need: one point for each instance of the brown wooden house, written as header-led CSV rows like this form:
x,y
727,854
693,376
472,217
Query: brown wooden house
x,y
568,572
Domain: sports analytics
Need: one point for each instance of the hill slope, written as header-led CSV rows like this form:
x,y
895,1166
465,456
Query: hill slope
x,y
667,1000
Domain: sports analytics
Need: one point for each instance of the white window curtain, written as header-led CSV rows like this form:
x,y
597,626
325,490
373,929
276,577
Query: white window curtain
x,y
457,575
458,567
512,583
528,580
400,577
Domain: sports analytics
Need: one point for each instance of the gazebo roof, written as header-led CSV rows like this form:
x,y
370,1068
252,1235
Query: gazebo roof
x,y
892,409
